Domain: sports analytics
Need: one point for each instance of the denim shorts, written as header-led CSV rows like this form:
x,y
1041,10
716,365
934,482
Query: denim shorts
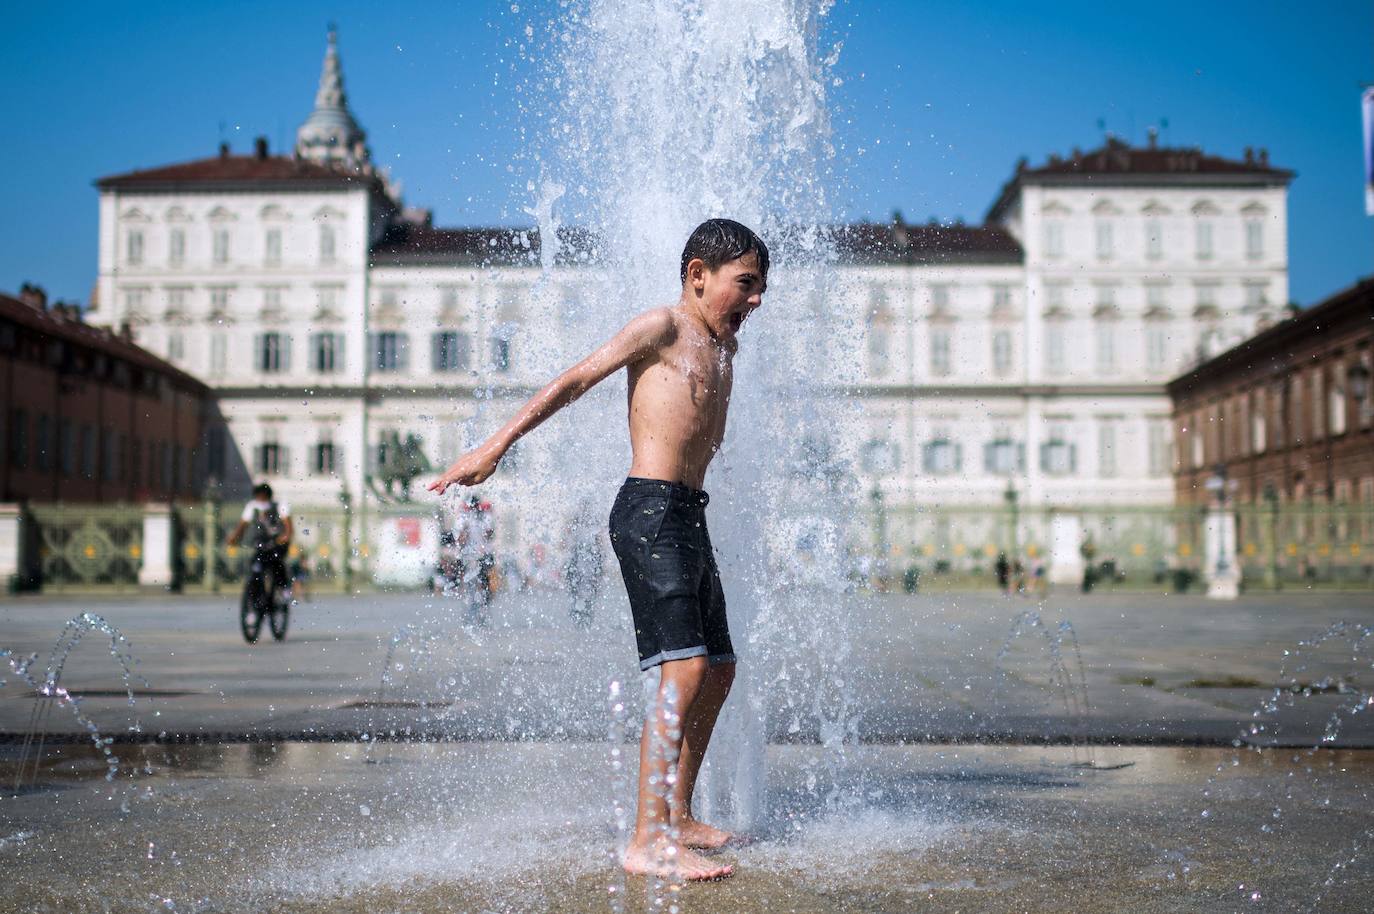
x,y
658,531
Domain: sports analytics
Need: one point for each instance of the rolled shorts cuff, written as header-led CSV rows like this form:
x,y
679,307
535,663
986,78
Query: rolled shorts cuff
x,y
713,659
664,656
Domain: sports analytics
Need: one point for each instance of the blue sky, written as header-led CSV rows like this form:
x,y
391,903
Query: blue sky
x,y
937,103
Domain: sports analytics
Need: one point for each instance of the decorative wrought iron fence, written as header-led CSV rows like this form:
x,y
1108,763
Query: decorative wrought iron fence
x,y
84,546
1277,546
320,546
71,547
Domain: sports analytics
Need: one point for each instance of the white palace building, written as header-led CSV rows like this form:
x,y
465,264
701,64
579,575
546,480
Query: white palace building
x,y
1030,350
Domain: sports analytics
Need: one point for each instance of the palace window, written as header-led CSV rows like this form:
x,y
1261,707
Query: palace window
x,y
452,351
219,302
1159,447
1001,352
1003,456
274,352
1054,238
390,351
134,300
1259,423
220,246
1105,333
940,357
1203,231
1055,362
176,247
941,457
1001,297
42,442
176,301
109,455
1106,448
939,298
19,438
1058,457
879,457
87,451
66,448
500,354
133,253
219,353
1103,235
1156,346
1154,239
326,458
272,247
328,353
272,299
1335,402
1254,239
271,458
327,250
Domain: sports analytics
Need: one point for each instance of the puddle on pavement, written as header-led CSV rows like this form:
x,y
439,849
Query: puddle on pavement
x,y
526,827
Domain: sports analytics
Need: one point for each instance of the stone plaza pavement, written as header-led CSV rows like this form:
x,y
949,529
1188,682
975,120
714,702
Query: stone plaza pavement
x,y
1158,669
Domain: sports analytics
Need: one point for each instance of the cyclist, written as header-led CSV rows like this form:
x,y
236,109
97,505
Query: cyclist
x,y
270,534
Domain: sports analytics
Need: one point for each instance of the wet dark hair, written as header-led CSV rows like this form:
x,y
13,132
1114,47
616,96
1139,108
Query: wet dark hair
x,y
719,241
262,489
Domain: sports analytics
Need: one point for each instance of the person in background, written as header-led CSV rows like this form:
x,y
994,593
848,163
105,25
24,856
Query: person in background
x,y
268,523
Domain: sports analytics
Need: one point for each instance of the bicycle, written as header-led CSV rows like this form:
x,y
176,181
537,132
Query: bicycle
x,y
264,598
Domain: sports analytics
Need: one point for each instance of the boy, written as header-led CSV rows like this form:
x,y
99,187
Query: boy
x,y
680,372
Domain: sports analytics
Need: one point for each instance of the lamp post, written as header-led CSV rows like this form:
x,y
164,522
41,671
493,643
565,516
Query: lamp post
x,y
1271,499
346,569
879,528
1014,515
210,544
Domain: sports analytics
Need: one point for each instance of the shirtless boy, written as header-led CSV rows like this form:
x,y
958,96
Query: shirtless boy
x,y
679,360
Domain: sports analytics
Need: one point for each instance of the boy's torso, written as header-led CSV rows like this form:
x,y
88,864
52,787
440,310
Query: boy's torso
x,y
678,404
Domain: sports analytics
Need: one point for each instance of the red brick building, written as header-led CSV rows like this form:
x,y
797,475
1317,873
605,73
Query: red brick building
x,y
87,416
1289,413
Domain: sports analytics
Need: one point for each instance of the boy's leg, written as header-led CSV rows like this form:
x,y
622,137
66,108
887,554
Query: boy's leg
x,y
698,725
651,851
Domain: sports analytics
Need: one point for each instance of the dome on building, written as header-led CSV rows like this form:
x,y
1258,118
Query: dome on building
x,y
330,134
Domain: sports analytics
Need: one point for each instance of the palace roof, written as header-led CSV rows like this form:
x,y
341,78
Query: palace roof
x,y
860,243
1118,164
899,242
233,172
60,324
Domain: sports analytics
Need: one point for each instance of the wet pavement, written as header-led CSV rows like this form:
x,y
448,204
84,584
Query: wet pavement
x,y
526,827
1155,669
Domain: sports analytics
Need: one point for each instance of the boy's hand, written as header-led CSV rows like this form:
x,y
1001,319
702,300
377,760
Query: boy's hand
x,y
472,468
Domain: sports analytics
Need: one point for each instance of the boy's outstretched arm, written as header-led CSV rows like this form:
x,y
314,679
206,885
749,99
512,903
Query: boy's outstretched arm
x,y
637,339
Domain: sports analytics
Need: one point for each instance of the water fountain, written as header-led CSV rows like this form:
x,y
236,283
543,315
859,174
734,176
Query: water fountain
x,y
664,114
49,693
1072,689
1275,727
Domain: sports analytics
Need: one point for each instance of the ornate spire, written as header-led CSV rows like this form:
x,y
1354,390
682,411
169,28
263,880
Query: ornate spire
x,y
330,134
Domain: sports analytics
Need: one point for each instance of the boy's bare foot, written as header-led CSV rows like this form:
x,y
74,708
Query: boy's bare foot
x,y
700,835
672,862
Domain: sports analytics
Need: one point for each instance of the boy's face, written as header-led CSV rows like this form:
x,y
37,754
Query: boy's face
x,y
728,294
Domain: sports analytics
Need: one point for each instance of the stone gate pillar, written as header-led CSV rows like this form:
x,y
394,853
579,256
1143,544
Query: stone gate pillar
x,y
1221,567
1066,541
11,545
158,542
